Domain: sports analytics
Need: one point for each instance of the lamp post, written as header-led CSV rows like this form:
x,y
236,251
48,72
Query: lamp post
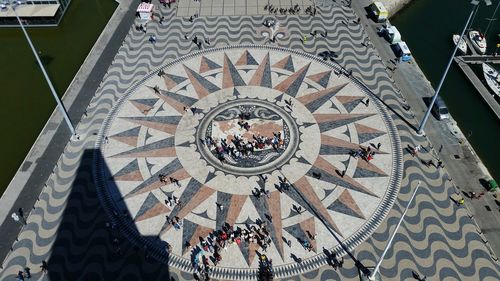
x,y
475,4
377,267
60,105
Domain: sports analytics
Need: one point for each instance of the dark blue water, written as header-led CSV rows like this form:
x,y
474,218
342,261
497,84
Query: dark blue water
x,y
427,27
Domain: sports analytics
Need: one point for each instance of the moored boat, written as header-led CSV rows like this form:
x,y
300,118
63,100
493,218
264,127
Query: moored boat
x,y
462,46
478,41
492,77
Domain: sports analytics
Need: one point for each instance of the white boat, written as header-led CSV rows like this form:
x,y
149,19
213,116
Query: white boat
x,y
462,46
492,78
478,41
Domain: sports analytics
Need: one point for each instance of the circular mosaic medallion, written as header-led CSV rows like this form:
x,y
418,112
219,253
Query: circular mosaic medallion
x,y
243,122
244,135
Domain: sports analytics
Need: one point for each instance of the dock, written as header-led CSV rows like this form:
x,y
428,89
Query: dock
x,y
480,87
478,59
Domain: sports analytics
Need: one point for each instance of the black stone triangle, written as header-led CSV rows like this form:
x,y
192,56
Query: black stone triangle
x,y
150,201
340,207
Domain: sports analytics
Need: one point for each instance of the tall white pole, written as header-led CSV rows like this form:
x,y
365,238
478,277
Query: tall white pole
x,y
377,267
428,112
52,90
491,19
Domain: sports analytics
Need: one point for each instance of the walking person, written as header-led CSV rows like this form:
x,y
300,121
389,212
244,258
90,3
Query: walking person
x,y
27,272
416,149
20,212
20,276
44,267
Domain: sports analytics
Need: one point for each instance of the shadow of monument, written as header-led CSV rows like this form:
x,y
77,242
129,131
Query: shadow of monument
x,y
89,246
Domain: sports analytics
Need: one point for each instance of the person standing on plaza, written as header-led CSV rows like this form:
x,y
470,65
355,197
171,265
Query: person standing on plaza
x,y
20,212
44,267
417,149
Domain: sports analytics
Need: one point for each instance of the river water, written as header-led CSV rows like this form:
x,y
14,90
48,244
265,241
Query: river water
x,y
26,99
427,27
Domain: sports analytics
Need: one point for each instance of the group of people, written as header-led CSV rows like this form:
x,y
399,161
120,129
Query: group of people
x,y
164,179
239,147
26,273
176,222
197,41
283,11
221,239
366,154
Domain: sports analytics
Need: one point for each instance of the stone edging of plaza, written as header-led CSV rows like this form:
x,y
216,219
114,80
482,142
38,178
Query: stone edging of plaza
x,y
280,271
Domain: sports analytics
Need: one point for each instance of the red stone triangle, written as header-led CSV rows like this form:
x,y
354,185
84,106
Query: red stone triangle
x,y
319,76
200,231
243,60
203,193
362,164
180,174
169,82
274,203
160,152
143,108
285,84
156,210
164,127
285,63
327,93
336,142
308,225
307,191
348,99
330,169
346,199
234,209
362,129
132,176
252,250
320,118
261,72
198,84
178,106
207,65
131,140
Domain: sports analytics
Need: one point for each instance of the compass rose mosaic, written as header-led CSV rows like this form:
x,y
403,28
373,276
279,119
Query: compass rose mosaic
x,y
244,135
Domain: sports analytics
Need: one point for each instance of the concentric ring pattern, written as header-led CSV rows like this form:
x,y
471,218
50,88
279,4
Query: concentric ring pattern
x,y
219,127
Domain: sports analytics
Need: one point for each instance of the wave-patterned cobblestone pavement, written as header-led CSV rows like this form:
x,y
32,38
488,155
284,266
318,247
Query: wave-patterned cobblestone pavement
x,y
68,225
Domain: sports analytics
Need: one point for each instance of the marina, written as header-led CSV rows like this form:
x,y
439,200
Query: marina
x,y
479,85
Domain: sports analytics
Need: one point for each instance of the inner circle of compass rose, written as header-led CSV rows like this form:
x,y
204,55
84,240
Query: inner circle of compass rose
x,y
267,131
312,120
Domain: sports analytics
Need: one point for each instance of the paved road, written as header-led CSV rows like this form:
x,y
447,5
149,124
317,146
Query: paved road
x,y
68,225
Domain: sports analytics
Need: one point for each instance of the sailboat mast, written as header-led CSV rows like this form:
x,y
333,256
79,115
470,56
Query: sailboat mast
x,y
492,18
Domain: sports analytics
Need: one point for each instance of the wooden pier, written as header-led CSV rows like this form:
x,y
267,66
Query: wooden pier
x,y
480,87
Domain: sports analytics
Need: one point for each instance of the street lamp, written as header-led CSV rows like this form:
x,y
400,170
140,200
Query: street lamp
x,y
373,274
475,4
61,107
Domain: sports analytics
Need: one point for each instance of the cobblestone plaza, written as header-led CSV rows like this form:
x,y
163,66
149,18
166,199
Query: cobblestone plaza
x,y
158,104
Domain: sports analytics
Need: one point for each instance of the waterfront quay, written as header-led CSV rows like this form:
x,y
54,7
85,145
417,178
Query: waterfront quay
x,y
327,167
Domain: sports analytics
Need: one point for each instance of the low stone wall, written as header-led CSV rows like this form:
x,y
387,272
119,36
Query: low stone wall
x,y
393,6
